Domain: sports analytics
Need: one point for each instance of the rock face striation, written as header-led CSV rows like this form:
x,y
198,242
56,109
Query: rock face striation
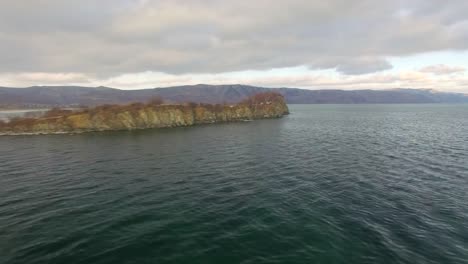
x,y
150,115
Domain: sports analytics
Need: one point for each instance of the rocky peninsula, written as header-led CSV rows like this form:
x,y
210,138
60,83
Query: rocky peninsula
x,y
154,114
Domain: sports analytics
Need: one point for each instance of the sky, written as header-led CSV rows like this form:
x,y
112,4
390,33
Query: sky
x,y
312,44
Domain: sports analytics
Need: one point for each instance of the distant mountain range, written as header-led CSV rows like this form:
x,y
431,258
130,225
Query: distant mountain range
x,y
49,96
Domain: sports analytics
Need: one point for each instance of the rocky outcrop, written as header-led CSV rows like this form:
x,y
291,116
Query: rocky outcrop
x,y
142,116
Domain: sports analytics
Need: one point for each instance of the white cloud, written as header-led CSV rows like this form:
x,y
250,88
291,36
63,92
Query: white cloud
x,y
283,77
442,69
43,78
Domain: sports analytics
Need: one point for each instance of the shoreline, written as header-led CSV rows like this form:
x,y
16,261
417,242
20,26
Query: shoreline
x,y
139,116
2,134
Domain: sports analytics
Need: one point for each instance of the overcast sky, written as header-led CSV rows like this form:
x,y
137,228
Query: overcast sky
x,y
311,44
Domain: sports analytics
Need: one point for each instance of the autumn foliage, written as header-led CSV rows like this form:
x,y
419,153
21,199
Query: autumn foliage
x,y
157,100
56,112
18,121
263,98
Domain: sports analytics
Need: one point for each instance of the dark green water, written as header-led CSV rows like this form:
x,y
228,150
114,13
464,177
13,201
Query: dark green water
x,y
327,184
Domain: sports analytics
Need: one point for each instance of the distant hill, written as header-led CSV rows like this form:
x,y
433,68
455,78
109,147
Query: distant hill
x,y
49,96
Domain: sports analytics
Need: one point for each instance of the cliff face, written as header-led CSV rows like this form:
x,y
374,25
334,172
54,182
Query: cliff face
x,y
141,116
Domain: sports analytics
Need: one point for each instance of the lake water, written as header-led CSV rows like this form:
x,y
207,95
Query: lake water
x,y
6,115
327,184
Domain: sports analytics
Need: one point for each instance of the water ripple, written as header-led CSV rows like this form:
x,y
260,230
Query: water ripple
x,y
328,184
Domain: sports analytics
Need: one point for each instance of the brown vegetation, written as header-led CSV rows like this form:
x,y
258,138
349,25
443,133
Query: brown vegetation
x,y
24,122
157,100
268,97
56,112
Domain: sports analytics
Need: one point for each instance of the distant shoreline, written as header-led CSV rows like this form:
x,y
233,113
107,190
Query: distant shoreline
x,y
75,96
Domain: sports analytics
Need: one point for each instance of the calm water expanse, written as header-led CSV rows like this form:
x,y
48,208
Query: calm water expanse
x,y
327,184
6,115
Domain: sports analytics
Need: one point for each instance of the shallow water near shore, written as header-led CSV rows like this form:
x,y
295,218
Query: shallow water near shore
x,y
6,115
326,184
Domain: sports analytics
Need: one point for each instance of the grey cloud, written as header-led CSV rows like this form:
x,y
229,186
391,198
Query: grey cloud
x,y
207,36
353,66
363,67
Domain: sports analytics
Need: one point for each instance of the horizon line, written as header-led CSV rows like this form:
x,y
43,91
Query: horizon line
x,y
236,84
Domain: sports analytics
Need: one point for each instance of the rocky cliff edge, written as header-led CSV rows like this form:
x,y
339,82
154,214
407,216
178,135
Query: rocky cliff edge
x,y
155,114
